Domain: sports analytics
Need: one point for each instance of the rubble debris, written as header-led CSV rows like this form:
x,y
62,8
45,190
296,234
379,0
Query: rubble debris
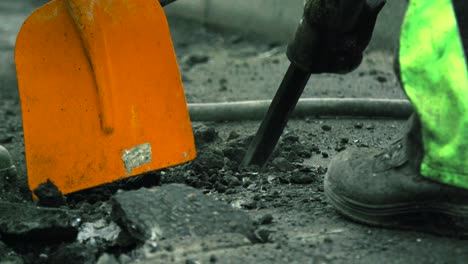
x,y
250,205
282,164
263,235
195,59
75,253
266,219
233,135
221,188
301,178
235,151
208,162
359,125
340,147
7,255
326,128
24,220
176,210
99,232
204,134
290,138
49,195
232,181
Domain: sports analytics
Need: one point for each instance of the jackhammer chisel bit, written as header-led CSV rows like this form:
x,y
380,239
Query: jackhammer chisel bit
x,y
277,116
331,38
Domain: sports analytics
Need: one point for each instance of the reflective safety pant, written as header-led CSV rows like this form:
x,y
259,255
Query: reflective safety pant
x,y
434,75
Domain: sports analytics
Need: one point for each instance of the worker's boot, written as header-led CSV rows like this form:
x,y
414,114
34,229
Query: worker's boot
x,y
7,169
385,188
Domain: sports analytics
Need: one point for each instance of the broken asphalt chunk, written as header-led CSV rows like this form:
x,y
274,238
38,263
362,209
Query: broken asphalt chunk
x,y
25,220
176,211
49,195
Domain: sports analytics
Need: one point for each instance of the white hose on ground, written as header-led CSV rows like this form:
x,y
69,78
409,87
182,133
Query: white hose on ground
x,y
307,107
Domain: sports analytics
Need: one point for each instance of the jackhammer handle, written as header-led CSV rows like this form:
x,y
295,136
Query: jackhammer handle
x,y
314,44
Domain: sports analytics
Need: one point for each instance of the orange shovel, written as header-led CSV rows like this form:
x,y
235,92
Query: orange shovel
x,y
101,93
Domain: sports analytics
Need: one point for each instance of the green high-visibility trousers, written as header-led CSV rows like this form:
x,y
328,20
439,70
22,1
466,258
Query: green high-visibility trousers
x,y
435,78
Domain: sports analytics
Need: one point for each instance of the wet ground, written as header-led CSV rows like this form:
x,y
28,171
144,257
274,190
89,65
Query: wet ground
x,y
291,221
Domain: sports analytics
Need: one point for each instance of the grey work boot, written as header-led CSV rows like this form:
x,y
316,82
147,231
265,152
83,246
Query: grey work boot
x,y
7,169
385,188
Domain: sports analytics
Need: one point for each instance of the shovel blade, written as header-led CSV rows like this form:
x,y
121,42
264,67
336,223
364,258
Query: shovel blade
x,y
104,106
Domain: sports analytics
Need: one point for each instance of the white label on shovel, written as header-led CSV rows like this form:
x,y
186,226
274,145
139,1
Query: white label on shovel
x,y
136,157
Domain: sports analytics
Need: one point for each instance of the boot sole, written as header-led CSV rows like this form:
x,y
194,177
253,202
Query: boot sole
x,y
444,219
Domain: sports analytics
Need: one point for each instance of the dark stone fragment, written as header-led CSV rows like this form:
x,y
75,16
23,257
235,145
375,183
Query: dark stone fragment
x,y
263,235
283,164
204,134
233,135
208,162
223,89
266,219
10,112
6,139
231,191
232,181
340,148
362,145
381,79
305,154
301,178
27,221
290,138
325,154
250,205
234,153
175,211
344,140
284,178
315,149
223,81
358,125
321,170
49,195
75,253
246,182
7,255
221,188
326,128
196,59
